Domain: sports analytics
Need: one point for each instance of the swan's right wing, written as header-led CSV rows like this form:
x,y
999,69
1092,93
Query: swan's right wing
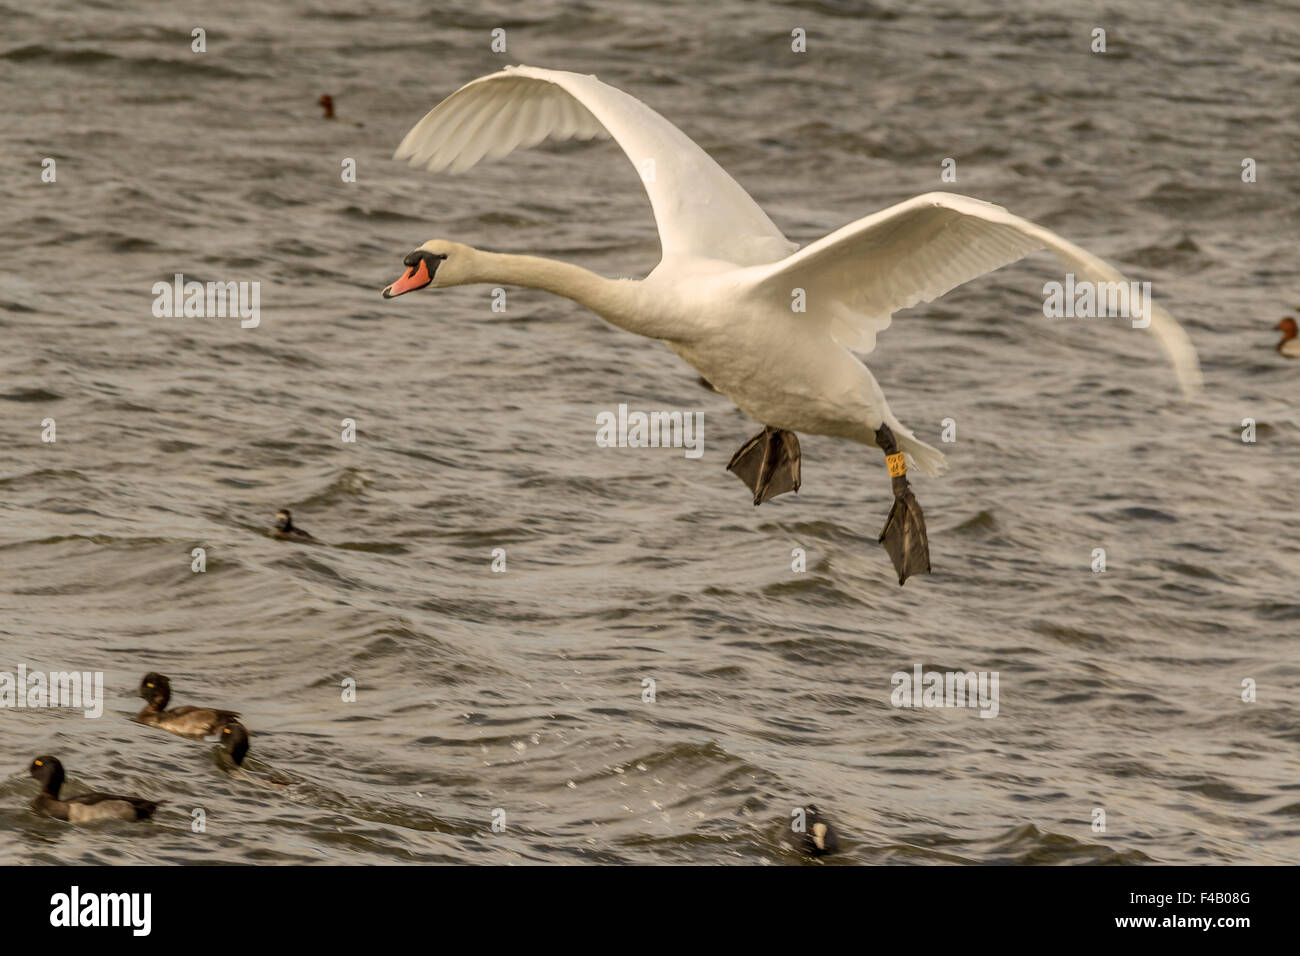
x,y
857,277
700,210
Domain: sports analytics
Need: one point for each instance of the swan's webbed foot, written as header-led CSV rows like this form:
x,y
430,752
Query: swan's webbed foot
x,y
768,463
904,533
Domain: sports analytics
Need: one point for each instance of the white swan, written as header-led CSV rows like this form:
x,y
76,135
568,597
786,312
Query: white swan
x,y
721,297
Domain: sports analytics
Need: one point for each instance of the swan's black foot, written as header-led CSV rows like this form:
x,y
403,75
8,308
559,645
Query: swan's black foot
x,y
768,463
904,536
904,533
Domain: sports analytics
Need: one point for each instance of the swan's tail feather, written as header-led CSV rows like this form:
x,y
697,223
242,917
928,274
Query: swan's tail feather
x,y
925,459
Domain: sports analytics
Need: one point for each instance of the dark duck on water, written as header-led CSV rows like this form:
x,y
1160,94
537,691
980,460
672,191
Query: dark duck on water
x,y
234,748
286,529
87,807
1289,347
326,102
819,839
234,744
185,721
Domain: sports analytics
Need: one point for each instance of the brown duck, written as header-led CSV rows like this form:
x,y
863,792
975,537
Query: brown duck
x,y
185,721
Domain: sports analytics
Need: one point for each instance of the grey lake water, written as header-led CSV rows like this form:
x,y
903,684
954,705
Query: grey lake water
x,y
519,697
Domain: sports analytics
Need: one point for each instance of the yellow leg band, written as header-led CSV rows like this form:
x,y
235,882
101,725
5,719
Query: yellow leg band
x,y
897,467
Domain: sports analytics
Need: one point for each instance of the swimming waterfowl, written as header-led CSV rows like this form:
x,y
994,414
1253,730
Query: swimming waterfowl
x,y
1289,347
771,326
819,837
234,744
285,528
184,721
234,748
326,102
86,807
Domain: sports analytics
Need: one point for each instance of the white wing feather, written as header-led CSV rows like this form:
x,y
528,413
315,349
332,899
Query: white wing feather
x,y
917,250
700,210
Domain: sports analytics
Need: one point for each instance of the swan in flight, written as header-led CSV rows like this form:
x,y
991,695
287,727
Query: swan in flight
x,y
723,296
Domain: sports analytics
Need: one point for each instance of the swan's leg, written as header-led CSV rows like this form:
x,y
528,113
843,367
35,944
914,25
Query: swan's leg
x,y
904,532
768,463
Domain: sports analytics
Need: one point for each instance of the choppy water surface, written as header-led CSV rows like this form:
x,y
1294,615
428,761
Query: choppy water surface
x,y
523,690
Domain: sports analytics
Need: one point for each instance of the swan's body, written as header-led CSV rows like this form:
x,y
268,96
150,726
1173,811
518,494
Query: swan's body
x,y
722,295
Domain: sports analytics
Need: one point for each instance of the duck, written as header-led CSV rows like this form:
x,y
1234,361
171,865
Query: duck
x,y
326,103
775,328
819,837
185,721
286,529
86,807
1289,347
234,744
234,748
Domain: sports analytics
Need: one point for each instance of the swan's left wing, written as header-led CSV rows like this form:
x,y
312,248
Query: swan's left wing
x,y
700,210
917,250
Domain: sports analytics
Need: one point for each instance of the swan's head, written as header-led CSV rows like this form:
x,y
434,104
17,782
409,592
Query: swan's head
x,y
438,263
1287,327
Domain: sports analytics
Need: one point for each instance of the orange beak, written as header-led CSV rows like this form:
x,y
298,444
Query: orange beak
x,y
416,277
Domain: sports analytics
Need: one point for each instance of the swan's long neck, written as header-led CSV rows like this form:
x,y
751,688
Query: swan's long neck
x,y
617,301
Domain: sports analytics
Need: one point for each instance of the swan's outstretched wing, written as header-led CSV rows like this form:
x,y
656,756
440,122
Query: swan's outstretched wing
x,y
858,276
700,210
